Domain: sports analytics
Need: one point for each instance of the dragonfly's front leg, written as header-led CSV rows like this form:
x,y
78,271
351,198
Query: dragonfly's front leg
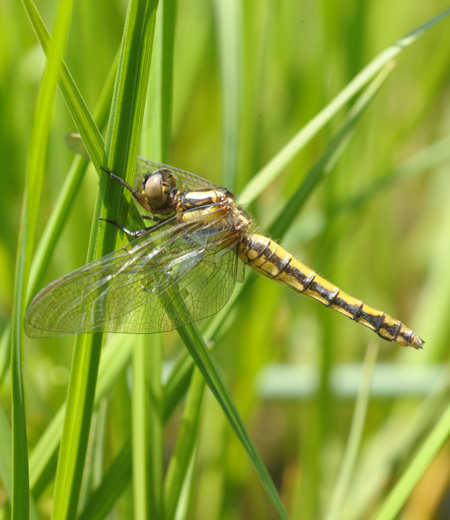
x,y
138,196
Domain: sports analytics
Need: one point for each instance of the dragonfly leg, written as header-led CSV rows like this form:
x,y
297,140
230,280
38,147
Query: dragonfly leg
x,y
133,234
132,190
154,218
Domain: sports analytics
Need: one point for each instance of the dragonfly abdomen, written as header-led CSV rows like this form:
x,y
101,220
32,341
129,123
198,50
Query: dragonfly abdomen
x,y
270,259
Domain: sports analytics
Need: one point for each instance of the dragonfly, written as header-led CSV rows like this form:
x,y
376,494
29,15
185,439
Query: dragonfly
x,y
183,267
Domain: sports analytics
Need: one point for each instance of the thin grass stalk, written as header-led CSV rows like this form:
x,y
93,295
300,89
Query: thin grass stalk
x,y
20,503
354,439
178,469
228,17
410,477
272,169
125,126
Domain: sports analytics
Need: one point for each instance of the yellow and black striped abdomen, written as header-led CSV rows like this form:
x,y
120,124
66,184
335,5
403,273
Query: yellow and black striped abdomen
x,y
270,259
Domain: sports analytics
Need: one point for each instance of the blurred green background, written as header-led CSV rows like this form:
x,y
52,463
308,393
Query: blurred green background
x,y
378,227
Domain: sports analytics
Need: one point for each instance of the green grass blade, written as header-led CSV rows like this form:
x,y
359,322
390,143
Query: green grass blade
x,y
423,160
178,470
20,505
155,440
6,453
355,435
328,159
115,481
77,420
148,422
141,432
202,357
284,156
67,195
5,351
122,146
402,490
114,360
75,102
158,116
229,29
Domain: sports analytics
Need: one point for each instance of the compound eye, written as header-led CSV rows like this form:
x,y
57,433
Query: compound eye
x,y
156,191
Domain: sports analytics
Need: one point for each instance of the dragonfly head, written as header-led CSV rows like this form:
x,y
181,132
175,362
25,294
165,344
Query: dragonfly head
x,y
156,188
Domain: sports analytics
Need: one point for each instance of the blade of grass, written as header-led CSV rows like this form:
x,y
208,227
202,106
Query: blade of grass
x,y
114,360
402,490
75,102
202,357
140,421
328,159
263,178
6,473
355,435
116,479
178,470
157,121
229,29
20,504
423,160
147,399
67,195
155,440
122,147
5,351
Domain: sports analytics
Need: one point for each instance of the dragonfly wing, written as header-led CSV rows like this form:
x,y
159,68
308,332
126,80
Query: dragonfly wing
x,y
202,286
158,282
185,180
75,143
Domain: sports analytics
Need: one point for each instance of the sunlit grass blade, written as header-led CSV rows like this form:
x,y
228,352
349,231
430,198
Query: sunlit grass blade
x,y
229,30
355,436
114,360
425,159
122,147
178,470
329,157
115,481
157,124
20,504
5,351
402,490
67,195
6,453
75,102
142,491
261,180
147,398
202,357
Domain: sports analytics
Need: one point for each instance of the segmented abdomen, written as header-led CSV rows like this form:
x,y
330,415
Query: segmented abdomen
x,y
270,259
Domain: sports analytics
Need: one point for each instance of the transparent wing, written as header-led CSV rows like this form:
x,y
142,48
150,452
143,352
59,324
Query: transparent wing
x,y
185,180
158,282
75,143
